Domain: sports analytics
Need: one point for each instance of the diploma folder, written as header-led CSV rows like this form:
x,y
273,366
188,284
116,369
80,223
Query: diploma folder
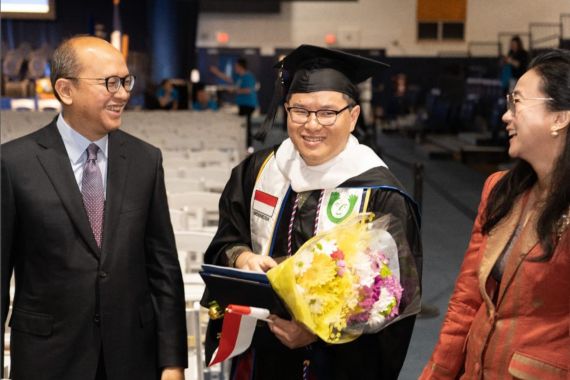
x,y
226,286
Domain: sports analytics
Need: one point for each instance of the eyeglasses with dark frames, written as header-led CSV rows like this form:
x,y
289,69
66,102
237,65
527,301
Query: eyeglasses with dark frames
x,y
324,117
513,99
114,82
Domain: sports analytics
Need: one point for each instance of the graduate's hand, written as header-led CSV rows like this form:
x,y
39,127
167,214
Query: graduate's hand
x,y
251,261
291,333
172,373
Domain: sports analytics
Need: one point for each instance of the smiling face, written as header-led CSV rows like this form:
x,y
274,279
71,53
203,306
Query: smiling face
x,y
318,144
529,127
88,106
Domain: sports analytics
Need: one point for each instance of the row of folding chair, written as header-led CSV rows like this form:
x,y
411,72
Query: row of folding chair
x,y
210,157
30,104
211,178
184,184
193,219
199,209
184,124
165,127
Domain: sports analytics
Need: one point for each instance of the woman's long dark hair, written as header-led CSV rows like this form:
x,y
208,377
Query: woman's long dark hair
x,y
554,69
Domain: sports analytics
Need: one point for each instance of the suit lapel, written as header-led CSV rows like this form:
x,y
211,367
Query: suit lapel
x,y
527,241
55,161
496,243
117,166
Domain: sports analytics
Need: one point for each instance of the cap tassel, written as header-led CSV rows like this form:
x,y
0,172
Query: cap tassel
x,y
276,102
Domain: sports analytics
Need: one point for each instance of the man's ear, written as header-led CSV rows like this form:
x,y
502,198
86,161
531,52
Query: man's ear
x,y
354,113
64,89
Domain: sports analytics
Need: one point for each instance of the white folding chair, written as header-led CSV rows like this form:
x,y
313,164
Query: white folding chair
x,y
214,185
23,104
195,345
179,219
203,205
194,199
49,105
191,246
179,167
176,185
168,155
209,174
212,157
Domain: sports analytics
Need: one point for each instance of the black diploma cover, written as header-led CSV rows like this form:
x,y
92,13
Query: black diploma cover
x,y
226,286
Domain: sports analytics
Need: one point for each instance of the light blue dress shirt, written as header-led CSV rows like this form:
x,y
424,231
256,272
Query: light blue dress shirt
x,y
76,147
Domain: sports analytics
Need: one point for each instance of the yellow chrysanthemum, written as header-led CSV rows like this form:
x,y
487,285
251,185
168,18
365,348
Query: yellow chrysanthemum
x,y
321,271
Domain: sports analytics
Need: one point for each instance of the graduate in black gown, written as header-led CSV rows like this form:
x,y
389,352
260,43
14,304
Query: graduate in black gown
x,y
278,198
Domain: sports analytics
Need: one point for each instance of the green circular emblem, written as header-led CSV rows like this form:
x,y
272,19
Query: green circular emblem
x,y
339,207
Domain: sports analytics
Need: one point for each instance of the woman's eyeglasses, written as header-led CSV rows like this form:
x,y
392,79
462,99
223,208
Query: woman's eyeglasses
x,y
513,99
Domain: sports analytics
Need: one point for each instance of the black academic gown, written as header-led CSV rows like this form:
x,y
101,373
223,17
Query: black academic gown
x,y
371,356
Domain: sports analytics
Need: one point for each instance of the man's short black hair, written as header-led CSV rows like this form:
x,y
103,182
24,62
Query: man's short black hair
x,y
242,62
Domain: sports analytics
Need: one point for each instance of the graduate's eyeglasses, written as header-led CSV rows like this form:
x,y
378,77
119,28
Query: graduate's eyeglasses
x,y
324,117
113,83
513,99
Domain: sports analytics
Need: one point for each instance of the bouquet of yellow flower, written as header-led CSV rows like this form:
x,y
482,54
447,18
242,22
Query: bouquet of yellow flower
x,y
346,281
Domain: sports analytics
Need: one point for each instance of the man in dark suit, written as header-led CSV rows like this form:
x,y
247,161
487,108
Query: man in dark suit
x,y
86,230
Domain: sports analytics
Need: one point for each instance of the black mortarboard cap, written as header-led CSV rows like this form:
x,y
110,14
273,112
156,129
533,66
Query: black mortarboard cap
x,y
312,68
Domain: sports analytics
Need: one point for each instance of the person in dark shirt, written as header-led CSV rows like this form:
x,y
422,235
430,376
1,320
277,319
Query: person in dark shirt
x,y
515,63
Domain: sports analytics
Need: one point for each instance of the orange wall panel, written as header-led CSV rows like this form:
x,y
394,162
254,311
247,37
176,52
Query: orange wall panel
x,y
442,10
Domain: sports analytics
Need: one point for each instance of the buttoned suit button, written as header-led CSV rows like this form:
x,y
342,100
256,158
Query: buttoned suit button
x,y
97,318
102,274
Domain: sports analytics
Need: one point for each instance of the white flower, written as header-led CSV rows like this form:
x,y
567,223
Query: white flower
x,y
302,262
328,246
383,304
375,321
363,269
315,305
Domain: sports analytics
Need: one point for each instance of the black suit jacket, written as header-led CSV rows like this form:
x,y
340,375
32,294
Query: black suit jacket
x,y
74,300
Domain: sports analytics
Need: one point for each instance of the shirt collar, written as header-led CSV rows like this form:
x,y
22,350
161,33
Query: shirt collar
x,y
75,143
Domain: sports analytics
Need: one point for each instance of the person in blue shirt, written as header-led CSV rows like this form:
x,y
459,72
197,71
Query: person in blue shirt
x,y
244,87
167,95
202,100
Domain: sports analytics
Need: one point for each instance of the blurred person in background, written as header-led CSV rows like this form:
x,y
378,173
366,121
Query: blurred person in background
x,y
244,87
167,95
514,64
202,100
